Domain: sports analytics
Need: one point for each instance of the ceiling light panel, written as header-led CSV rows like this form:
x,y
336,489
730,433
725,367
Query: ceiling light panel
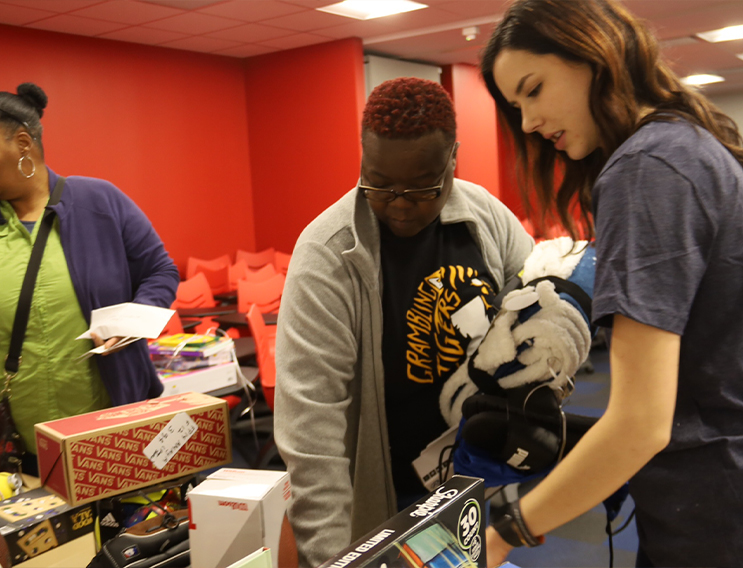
x,y
723,34
702,79
370,9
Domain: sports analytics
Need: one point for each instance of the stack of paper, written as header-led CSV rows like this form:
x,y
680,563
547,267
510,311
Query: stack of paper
x,y
184,351
129,320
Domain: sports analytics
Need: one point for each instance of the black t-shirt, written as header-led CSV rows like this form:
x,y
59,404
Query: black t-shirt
x,y
437,296
669,234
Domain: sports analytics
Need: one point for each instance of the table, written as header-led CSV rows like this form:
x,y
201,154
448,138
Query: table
x,y
237,319
207,312
226,298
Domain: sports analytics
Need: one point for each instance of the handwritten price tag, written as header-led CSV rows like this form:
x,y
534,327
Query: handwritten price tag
x,y
171,438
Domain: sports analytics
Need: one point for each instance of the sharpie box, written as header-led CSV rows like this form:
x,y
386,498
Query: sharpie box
x,y
235,512
37,521
446,528
88,457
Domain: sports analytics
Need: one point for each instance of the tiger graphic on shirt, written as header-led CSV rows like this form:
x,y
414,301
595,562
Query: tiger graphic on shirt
x,y
450,314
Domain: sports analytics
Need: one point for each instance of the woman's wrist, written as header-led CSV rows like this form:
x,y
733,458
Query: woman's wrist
x,y
512,528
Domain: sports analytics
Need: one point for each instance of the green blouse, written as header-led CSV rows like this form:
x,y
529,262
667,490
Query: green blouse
x,y
51,382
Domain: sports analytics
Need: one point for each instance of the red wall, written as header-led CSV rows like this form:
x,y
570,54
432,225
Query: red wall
x,y
168,127
221,153
304,118
510,194
476,126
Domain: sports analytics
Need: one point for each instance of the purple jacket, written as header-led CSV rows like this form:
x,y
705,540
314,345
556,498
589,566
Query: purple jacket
x,y
114,255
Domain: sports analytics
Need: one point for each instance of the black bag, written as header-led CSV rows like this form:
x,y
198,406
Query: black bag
x,y
12,449
159,542
524,427
11,442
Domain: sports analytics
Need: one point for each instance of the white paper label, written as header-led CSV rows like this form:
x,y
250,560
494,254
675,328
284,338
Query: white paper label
x,y
171,438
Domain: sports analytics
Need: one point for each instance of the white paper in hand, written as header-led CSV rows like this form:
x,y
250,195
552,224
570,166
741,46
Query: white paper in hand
x,y
128,320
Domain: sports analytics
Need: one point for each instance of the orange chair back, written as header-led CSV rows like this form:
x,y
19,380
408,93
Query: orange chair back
x,y
217,272
281,261
237,272
240,271
266,294
194,293
256,259
265,353
260,274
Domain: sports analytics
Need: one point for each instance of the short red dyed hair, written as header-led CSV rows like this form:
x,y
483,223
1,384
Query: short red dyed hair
x,y
408,107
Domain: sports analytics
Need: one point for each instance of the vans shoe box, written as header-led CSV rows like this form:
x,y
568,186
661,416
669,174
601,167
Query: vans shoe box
x,y
108,452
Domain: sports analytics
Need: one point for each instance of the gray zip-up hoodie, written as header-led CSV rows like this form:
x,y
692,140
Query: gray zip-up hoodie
x,y
330,423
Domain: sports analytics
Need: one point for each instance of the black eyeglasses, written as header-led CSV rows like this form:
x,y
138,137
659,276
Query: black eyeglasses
x,y
414,195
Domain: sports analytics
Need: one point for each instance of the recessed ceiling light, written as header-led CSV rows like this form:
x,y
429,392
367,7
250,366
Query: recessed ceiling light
x,y
723,34
739,56
470,33
702,79
368,9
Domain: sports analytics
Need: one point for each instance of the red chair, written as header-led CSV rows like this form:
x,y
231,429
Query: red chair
x,y
240,271
237,272
260,274
265,353
217,272
266,295
256,259
195,293
281,261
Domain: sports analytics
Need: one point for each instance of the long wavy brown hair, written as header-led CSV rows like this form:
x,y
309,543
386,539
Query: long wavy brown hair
x,y
628,77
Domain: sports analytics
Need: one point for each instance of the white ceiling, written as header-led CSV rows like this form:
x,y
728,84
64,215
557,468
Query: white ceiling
x,y
243,28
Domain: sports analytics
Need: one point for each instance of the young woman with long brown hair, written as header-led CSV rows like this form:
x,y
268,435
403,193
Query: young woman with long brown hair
x,y
583,90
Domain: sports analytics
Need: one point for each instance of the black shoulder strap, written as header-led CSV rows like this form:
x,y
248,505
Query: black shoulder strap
x,y
13,360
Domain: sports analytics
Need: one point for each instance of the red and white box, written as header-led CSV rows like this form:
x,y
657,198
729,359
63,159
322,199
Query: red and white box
x,y
99,454
235,512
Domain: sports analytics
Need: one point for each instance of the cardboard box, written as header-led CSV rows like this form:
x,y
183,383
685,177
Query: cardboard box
x,y
199,380
108,452
444,528
261,558
235,512
37,521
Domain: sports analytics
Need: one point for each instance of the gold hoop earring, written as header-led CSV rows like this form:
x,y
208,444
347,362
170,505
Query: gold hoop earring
x,y
20,166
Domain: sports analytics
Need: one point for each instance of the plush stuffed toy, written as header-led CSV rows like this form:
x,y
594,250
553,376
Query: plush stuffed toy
x,y
507,398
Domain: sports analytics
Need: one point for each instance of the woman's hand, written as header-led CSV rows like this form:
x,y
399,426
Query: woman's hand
x,y
108,344
497,548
